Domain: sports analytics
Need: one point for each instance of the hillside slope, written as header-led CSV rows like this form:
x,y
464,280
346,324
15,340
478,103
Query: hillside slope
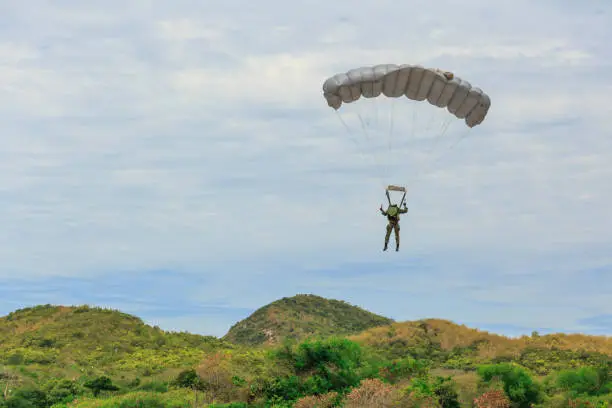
x,y
458,346
302,316
82,338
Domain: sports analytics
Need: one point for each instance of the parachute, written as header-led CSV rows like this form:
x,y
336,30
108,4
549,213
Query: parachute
x,y
419,85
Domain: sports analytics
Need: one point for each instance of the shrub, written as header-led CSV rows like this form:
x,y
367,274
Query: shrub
x,y
370,393
584,381
492,399
328,400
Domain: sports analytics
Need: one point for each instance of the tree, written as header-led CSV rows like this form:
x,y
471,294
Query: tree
x,y
446,392
317,367
215,376
439,389
28,397
61,390
100,384
188,379
518,384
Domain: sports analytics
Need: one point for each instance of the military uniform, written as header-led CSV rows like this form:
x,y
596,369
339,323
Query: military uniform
x,y
393,215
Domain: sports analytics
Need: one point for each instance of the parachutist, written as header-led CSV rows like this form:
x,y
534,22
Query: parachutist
x,y
431,86
393,215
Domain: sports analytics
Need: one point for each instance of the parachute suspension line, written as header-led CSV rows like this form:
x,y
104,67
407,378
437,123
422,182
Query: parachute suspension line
x,y
373,159
368,139
432,142
430,121
391,120
414,118
390,159
462,136
348,129
371,124
360,148
375,112
425,168
443,129
412,135
420,134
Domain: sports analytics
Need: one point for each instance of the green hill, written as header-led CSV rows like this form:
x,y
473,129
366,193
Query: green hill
x,y
302,316
70,341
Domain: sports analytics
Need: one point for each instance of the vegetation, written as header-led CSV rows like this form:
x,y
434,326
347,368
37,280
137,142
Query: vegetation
x,y
321,355
302,316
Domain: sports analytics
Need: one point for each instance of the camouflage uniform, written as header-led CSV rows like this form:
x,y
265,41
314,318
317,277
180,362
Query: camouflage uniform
x,y
393,225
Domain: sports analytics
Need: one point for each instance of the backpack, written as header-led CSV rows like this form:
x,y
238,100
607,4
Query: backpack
x,y
393,210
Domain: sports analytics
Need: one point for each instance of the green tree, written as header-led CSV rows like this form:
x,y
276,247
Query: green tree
x,y
441,389
332,363
445,390
188,379
402,368
100,384
517,382
61,390
318,367
28,397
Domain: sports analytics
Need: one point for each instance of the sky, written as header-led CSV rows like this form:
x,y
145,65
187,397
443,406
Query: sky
x,y
177,161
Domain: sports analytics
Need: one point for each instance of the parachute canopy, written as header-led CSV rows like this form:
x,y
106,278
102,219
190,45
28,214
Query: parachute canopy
x,y
440,88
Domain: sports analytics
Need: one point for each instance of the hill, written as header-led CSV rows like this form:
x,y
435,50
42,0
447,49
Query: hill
x,y
70,341
302,316
460,347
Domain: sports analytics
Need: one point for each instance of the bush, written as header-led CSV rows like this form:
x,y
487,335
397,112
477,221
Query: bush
x,y
328,400
370,393
28,397
517,383
154,386
444,388
61,391
100,384
492,399
319,367
402,369
439,390
584,381
215,377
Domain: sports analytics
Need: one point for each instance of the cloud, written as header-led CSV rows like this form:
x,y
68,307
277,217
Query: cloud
x,y
195,139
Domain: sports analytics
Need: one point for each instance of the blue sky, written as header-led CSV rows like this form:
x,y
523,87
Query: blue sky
x,y
178,161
